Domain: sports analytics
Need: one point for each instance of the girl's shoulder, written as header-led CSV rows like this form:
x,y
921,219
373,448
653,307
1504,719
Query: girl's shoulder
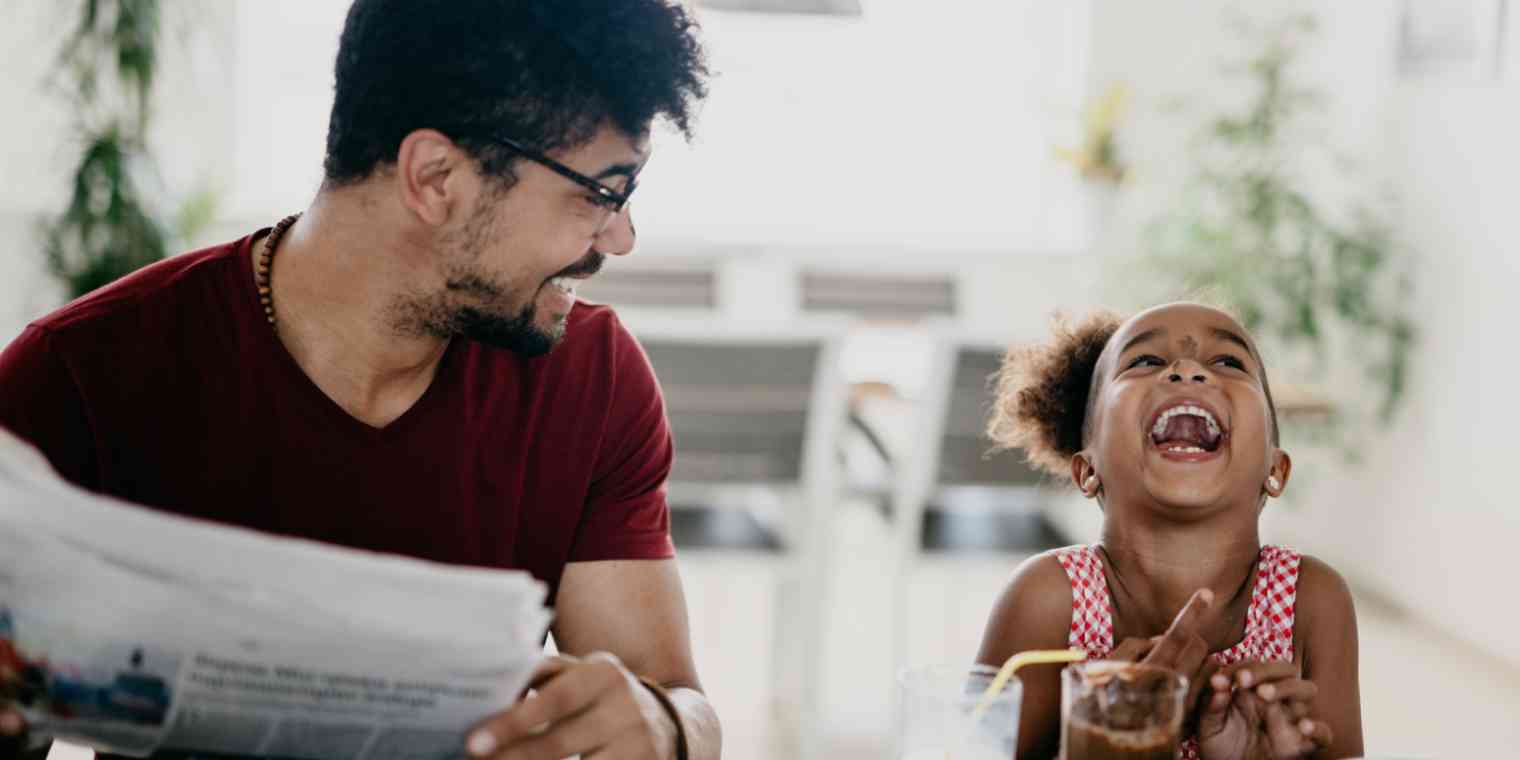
x,y
1325,614
1323,595
1034,609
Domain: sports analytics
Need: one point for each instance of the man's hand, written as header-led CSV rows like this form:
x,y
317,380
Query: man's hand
x,y
1260,710
591,706
13,738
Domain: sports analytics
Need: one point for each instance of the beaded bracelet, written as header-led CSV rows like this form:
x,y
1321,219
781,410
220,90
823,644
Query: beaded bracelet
x,y
675,716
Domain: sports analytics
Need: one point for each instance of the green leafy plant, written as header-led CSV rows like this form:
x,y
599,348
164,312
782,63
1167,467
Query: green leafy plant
x,y
108,66
1309,273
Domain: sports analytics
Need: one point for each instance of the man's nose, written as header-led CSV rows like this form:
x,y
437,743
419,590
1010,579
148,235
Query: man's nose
x,y
618,237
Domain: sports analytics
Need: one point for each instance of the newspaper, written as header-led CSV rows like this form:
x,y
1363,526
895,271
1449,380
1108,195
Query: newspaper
x,y
132,631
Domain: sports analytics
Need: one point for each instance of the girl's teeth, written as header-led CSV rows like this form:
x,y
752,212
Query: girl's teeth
x,y
1196,411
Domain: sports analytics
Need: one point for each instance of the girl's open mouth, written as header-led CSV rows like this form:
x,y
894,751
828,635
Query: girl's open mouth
x,y
1187,431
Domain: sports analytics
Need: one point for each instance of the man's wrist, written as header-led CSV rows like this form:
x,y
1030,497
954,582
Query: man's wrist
x,y
681,751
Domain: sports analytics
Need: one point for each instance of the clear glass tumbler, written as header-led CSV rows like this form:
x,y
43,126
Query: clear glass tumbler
x,y
938,719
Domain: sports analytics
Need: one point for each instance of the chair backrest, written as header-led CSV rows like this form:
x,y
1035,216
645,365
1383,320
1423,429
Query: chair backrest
x,y
748,404
953,456
965,452
753,412
739,411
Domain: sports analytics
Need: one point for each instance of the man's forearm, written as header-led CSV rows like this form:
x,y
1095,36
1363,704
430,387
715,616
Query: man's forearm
x,y
704,736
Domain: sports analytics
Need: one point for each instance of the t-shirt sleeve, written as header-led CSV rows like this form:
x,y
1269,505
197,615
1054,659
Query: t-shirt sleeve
x,y
626,515
40,403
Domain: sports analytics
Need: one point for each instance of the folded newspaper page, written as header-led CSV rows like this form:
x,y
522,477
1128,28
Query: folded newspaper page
x,y
132,631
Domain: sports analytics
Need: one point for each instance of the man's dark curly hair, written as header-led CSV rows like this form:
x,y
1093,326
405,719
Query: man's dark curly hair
x,y
1045,392
547,73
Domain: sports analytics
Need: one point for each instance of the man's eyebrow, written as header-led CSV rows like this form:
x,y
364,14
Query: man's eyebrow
x,y
618,170
1231,336
1142,337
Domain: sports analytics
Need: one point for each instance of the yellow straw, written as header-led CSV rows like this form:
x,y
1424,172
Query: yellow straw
x,y
1005,673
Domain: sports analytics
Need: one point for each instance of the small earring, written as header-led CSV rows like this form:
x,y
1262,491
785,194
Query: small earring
x,y
1273,483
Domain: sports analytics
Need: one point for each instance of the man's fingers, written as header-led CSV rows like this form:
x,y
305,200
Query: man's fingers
x,y
569,690
12,733
12,726
550,668
580,734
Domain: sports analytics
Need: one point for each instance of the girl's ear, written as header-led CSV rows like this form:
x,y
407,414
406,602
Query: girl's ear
x,y
1277,477
1085,475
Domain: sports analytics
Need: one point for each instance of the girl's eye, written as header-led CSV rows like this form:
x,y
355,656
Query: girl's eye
x,y
1147,360
1230,361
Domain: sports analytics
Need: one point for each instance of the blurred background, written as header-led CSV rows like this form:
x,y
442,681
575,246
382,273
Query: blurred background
x,y
881,195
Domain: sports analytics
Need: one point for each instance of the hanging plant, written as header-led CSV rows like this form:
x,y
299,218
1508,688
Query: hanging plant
x,y
108,67
1097,157
1297,269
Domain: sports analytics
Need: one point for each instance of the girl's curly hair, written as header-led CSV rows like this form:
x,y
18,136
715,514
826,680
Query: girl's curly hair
x,y
1042,392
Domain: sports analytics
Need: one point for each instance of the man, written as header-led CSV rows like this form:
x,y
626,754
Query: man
x,y
378,373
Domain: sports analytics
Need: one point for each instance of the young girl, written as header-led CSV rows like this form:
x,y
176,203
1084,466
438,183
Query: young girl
x,y
1167,421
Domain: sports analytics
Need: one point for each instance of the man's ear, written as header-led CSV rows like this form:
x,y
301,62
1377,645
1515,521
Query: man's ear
x,y
1084,475
429,170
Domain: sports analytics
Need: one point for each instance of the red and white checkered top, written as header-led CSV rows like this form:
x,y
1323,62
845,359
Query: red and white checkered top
x,y
1269,621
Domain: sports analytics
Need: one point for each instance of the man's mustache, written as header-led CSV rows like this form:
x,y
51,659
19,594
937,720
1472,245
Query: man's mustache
x,y
589,265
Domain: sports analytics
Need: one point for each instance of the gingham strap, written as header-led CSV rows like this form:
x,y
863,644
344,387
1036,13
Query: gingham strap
x,y
1092,613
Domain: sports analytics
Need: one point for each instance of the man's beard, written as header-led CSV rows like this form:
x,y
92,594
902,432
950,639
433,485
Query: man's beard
x,y
472,304
517,333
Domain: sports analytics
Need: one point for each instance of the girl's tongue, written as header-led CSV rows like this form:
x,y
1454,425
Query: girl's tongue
x,y
1188,430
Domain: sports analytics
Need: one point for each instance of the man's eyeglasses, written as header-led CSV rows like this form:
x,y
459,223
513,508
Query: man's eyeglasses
x,y
609,199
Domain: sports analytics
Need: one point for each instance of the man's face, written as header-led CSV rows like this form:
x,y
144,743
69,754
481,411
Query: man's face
x,y
511,267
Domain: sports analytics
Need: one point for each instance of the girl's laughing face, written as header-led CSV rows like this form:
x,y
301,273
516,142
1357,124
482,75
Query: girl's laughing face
x,y
1180,414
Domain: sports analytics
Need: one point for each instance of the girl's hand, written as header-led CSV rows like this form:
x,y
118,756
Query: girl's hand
x,y
1260,710
1182,649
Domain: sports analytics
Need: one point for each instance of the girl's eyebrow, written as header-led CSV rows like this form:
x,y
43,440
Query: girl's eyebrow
x,y
1154,332
1223,334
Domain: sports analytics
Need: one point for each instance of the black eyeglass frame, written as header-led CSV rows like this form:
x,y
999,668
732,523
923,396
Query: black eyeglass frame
x,y
613,200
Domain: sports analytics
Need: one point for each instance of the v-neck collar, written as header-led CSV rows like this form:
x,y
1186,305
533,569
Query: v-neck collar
x,y
268,339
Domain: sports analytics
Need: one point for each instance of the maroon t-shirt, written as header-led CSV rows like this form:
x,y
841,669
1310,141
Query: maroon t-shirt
x,y
169,389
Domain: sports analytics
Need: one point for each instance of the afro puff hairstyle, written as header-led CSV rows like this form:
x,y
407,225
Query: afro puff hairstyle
x,y
1042,392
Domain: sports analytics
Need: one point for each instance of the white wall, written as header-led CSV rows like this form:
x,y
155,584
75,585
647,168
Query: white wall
x,y
918,138
191,133
1426,520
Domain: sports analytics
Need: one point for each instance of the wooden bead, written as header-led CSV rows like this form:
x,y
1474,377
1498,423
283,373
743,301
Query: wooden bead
x,y
266,260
